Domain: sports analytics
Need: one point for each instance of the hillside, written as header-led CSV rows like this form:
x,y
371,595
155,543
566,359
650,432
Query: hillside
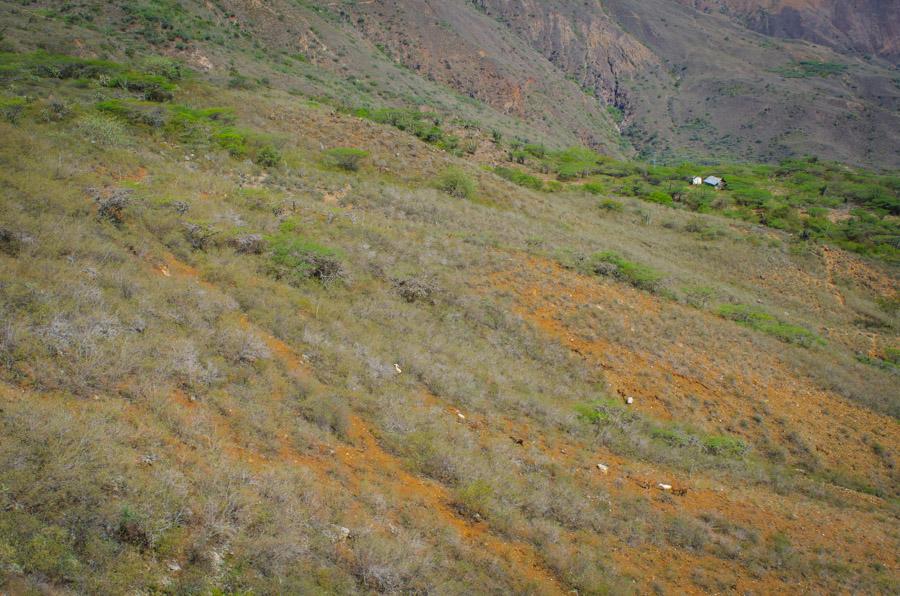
x,y
288,305
869,28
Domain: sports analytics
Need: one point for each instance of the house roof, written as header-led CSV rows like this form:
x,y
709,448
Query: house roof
x,y
714,180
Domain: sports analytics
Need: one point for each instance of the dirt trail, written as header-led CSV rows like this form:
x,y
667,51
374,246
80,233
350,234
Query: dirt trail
x,y
829,259
365,458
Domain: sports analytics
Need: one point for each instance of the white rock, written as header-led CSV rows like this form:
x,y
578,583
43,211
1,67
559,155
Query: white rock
x,y
664,486
603,468
397,368
173,566
216,559
337,533
629,400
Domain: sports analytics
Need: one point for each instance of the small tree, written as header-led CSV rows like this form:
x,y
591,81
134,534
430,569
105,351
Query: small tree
x,y
268,156
456,183
345,158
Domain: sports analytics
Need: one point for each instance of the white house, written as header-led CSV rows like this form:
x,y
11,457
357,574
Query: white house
x,y
697,181
715,181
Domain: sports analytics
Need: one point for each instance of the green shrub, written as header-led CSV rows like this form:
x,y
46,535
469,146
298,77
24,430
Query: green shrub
x,y
193,125
424,126
639,276
698,296
232,140
49,552
724,446
591,414
344,158
11,108
519,177
594,188
760,320
41,64
518,156
268,156
659,196
674,437
611,205
538,151
297,259
456,183
553,186
170,69
135,112
598,412
101,129
616,113
803,69
575,162
474,498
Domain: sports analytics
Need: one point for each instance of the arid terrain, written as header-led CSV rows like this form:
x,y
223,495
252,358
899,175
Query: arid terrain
x,y
394,297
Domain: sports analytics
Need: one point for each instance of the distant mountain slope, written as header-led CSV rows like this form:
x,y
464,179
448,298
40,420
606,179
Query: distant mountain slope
x,y
457,45
733,93
668,80
582,41
697,83
869,27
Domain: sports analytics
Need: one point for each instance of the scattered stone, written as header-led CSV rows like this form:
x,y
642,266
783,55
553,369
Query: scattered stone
x,y
662,486
397,368
629,400
460,415
603,468
173,566
216,560
337,533
148,459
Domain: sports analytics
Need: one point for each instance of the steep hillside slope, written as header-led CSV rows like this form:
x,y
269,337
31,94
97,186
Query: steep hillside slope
x,y
737,94
870,27
279,315
699,84
455,44
680,82
582,41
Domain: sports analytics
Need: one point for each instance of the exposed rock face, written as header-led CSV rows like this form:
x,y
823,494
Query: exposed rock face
x,y
870,27
458,44
579,38
694,79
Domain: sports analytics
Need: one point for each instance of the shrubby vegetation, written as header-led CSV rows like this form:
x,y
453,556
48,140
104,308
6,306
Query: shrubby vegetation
x,y
456,183
154,87
521,178
614,265
803,69
345,158
760,320
157,437
799,196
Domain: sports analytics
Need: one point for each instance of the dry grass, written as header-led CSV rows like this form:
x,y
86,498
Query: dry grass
x,y
167,402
